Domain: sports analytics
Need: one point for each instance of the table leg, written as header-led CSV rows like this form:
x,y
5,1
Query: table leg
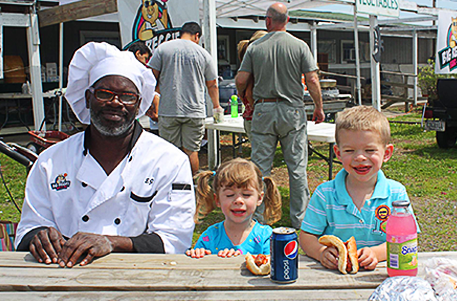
x,y
234,144
218,150
214,158
240,141
331,154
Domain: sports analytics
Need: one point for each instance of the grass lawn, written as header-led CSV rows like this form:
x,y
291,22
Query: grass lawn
x,y
429,174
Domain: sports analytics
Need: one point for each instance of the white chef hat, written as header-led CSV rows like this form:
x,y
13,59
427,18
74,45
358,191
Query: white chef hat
x,y
96,60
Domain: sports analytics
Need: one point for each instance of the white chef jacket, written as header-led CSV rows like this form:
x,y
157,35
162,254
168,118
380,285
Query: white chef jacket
x,y
151,190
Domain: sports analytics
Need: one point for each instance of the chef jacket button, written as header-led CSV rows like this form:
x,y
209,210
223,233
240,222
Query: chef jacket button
x,y
84,184
361,221
122,189
130,159
85,218
117,221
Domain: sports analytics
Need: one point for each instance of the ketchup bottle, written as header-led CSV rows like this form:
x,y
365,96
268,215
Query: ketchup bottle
x,y
401,235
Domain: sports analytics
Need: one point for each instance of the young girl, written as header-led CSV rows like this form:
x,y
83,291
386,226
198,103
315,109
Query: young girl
x,y
237,190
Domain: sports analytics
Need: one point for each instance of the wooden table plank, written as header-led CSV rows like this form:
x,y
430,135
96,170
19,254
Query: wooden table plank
x,y
321,295
146,272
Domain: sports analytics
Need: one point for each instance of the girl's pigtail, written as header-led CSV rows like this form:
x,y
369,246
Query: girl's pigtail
x,y
204,196
272,201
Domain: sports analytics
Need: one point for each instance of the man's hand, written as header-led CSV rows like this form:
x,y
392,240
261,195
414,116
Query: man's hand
x,y
318,116
329,258
367,258
198,253
46,245
229,253
88,244
314,88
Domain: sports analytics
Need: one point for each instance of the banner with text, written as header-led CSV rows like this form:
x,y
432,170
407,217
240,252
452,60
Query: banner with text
x,y
446,43
154,21
389,8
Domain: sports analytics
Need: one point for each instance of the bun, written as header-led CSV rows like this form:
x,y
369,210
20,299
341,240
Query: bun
x,y
347,253
258,265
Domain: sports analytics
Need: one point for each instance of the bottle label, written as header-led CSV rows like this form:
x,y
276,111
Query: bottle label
x,y
401,255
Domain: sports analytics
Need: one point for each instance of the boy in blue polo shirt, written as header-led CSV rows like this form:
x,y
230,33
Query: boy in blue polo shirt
x,y
359,200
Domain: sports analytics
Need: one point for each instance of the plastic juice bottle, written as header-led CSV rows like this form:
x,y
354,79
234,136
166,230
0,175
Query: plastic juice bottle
x,y
401,235
234,106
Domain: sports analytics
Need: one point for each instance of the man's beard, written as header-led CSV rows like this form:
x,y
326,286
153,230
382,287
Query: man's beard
x,y
110,130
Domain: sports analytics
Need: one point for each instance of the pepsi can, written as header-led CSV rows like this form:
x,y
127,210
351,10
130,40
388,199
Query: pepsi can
x,y
284,255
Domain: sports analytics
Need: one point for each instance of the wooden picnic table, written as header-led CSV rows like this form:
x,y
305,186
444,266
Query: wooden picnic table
x,y
178,277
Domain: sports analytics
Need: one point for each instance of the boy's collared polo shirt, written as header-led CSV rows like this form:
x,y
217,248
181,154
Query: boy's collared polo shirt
x,y
332,211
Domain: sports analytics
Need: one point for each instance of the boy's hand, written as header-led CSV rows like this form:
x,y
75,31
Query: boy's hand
x,y
329,258
229,253
198,253
367,258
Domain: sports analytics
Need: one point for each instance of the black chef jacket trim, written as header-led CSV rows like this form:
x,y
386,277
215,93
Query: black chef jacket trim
x,y
137,131
27,238
177,186
148,243
142,199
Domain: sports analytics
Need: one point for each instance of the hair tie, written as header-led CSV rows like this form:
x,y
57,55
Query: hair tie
x,y
214,173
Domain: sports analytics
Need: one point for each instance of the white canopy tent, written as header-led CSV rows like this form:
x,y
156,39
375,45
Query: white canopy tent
x,y
235,8
212,9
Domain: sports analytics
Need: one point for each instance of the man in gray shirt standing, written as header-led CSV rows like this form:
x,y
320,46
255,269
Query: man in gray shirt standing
x,y
183,69
276,63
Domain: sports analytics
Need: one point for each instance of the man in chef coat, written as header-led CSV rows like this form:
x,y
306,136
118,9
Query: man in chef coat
x,y
114,187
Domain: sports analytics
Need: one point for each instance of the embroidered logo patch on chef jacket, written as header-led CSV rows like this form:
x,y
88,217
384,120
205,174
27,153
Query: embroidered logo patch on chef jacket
x,y
61,182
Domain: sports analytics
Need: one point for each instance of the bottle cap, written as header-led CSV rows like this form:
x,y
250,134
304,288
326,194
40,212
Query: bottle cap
x,y
234,97
401,203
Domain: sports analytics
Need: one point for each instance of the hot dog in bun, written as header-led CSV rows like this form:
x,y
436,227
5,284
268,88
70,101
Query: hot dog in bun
x,y
258,265
347,253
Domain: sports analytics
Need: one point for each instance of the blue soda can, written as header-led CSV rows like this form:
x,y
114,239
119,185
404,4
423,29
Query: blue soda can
x,y
284,255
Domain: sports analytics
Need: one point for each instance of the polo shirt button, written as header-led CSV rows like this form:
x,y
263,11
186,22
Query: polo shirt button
x,y
84,184
117,221
85,218
361,221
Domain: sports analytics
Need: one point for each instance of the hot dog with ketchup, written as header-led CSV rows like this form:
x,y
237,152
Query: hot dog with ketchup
x,y
258,265
347,253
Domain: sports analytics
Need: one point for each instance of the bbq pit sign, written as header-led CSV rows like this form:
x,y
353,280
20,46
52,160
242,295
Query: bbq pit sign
x,y
446,43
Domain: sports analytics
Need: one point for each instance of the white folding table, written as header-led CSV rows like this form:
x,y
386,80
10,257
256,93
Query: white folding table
x,y
322,132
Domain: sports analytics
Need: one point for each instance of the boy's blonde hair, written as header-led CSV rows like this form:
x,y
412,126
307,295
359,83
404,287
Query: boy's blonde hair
x,y
241,173
363,118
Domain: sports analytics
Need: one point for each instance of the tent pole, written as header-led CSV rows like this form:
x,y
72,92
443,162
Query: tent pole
x,y
375,68
60,73
33,45
210,37
357,57
415,67
314,40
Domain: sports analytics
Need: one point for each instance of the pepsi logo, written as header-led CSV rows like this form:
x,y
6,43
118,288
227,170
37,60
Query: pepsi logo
x,y
291,249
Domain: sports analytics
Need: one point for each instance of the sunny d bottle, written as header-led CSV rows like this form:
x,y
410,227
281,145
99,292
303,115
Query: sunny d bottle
x,y
401,236
234,106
